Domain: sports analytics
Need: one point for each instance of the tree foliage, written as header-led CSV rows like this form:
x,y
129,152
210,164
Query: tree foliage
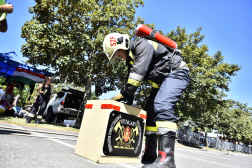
x,y
67,36
210,76
235,121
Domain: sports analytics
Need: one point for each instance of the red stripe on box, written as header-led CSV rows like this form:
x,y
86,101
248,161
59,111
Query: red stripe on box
x,y
143,116
110,106
89,106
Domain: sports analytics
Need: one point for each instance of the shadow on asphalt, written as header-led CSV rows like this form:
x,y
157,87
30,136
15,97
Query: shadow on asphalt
x,y
13,132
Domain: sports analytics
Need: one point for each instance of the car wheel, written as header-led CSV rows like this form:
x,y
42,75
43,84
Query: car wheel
x,y
50,115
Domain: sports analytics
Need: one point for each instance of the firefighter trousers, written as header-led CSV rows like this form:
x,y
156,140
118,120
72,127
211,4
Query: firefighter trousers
x,y
162,101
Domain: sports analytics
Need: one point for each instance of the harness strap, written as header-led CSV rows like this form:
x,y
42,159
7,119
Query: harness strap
x,y
153,84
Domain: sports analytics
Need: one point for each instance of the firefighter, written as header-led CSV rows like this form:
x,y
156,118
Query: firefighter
x,y
168,75
45,90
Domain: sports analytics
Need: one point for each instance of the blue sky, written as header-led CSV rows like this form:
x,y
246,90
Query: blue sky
x,y
227,26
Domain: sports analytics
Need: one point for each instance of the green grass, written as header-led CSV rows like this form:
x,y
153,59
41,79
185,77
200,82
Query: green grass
x,y
21,122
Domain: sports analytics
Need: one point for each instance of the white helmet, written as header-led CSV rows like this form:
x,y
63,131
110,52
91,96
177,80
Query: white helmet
x,y
114,41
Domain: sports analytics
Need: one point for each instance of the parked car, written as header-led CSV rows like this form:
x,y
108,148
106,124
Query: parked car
x,y
64,104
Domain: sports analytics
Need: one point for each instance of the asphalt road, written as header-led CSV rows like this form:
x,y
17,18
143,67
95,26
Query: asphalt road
x,y
29,152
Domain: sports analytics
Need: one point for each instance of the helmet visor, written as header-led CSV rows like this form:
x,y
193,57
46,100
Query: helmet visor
x,y
112,55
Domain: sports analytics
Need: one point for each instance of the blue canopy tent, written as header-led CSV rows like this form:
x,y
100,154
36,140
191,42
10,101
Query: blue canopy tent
x,y
13,69
9,62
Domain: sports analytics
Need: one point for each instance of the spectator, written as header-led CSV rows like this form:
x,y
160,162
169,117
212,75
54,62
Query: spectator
x,y
35,98
15,101
9,92
45,90
2,92
4,9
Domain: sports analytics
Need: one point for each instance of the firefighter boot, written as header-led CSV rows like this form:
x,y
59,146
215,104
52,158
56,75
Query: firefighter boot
x,y
29,117
38,119
150,152
165,157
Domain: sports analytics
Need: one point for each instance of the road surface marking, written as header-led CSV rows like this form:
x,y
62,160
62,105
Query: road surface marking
x,y
55,140
206,160
125,165
72,146
208,154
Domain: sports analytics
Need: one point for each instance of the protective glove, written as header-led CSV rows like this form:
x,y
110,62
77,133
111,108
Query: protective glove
x,y
118,97
128,99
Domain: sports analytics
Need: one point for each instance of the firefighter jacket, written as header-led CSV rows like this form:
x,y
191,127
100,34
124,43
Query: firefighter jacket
x,y
149,60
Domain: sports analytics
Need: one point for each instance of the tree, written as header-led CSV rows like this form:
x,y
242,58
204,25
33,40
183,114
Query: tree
x,y
67,36
210,77
235,122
